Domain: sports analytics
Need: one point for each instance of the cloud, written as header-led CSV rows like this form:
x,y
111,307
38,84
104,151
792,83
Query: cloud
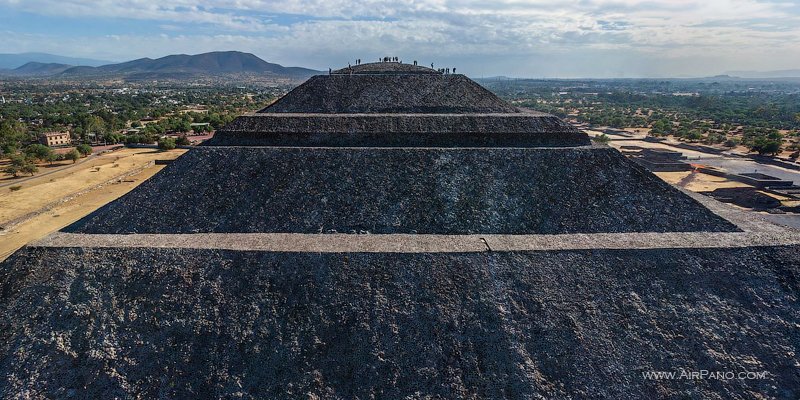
x,y
740,33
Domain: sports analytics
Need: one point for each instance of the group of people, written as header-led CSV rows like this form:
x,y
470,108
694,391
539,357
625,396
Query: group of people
x,y
445,71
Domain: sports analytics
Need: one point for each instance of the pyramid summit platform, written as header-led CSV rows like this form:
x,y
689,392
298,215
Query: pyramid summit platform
x,y
389,231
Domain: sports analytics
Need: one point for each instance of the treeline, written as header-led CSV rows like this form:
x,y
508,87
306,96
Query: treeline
x,y
92,115
708,112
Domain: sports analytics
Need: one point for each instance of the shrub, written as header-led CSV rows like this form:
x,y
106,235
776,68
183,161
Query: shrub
x,y
602,139
84,149
15,188
733,142
166,144
73,155
182,141
38,151
20,164
764,146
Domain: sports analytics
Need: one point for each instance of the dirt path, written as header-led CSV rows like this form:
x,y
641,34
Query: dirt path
x,y
50,203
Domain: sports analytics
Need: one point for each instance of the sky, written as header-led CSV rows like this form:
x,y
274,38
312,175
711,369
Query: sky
x,y
517,38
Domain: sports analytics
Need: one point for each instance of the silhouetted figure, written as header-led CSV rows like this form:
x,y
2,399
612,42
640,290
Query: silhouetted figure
x,y
454,70
329,71
448,71
431,65
415,63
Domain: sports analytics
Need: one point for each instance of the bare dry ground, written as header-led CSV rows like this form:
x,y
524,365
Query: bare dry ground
x,y
51,201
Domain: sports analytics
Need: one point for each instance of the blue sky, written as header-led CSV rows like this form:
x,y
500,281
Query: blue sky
x,y
525,38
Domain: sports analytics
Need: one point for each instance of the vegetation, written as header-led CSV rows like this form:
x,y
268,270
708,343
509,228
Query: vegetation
x,y
73,155
166,144
84,149
95,113
602,139
20,164
724,112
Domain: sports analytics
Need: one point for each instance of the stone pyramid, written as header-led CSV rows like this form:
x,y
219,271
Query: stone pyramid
x,y
389,231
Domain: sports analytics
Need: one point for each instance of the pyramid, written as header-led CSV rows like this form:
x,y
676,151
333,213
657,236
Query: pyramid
x,y
389,231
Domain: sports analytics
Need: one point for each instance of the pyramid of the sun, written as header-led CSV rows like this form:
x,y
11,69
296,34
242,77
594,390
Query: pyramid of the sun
x,y
388,231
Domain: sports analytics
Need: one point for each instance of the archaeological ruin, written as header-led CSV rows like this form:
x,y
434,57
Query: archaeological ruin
x,y
389,231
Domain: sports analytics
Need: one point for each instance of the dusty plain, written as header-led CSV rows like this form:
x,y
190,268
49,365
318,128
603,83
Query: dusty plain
x,y
55,198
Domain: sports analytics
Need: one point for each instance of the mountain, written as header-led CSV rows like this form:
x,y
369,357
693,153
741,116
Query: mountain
x,y
788,73
40,69
214,63
12,61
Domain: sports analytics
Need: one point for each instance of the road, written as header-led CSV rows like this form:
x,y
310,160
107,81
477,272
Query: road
x,y
740,165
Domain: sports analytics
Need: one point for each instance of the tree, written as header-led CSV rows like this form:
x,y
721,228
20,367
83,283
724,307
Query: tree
x,y
182,141
84,149
766,146
602,139
12,135
53,157
38,151
166,144
29,168
95,125
20,163
73,155
113,137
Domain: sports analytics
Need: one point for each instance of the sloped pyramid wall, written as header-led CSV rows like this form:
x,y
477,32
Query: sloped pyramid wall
x,y
373,235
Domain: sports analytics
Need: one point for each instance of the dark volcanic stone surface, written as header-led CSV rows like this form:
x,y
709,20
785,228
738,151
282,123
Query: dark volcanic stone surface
x,y
400,130
386,68
169,323
422,93
402,190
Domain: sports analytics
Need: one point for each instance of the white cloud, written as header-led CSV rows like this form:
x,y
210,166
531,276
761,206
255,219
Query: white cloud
x,y
523,37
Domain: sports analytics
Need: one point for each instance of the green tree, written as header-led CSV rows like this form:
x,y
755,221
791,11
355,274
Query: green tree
x,y
20,164
182,141
166,144
29,168
766,146
12,135
38,151
602,139
73,155
84,149
53,157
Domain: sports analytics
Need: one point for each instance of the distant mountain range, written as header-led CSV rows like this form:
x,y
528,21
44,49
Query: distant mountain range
x,y
174,66
788,73
12,61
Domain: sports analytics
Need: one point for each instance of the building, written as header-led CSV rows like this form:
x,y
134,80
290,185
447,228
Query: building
x,y
388,231
55,139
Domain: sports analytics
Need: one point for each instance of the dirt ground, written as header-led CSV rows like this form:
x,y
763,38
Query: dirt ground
x,y
49,202
698,181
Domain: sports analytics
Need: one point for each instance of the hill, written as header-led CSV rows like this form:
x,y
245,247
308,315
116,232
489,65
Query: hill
x,y
12,61
789,73
37,68
214,63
